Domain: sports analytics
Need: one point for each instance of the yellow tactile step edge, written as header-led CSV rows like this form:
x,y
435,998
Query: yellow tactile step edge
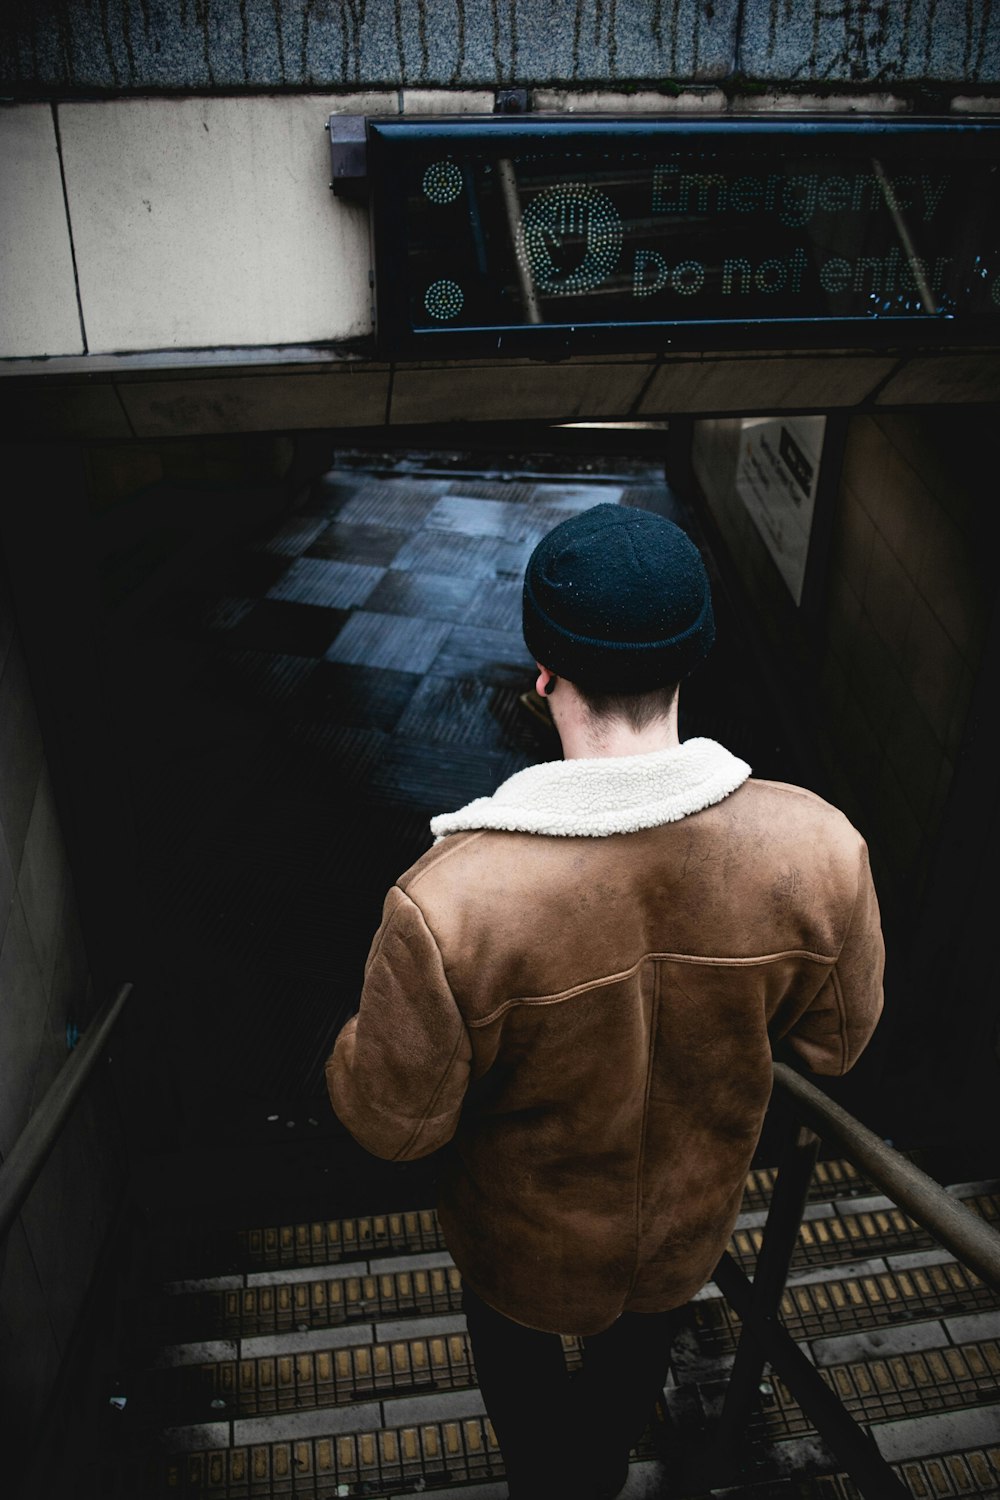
x,y
333,1301
466,1449
896,1386
336,1377
829,1238
417,1230
976,1473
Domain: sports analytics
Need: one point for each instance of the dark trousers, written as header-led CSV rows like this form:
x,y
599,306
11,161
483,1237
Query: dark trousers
x,y
567,1437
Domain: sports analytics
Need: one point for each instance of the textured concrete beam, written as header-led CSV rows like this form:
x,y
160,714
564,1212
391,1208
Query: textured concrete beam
x,y
154,396
125,45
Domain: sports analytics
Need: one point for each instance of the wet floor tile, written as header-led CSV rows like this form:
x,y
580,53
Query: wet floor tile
x,y
453,711
331,492
197,616
342,542
439,552
440,778
577,497
496,605
368,697
469,517
513,491
494,655
259,675
226,612
292,537
247,575
336,585
400,503
400,643
321,762
522,728
278,625
460,711
437,596
512,558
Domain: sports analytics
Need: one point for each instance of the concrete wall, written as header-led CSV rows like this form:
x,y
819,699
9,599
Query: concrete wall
x,y
188,223
179,266
203,220
889,662
179,44
908,609
48,1260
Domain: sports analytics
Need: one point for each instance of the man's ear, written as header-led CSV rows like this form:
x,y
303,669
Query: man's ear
x,y
545,681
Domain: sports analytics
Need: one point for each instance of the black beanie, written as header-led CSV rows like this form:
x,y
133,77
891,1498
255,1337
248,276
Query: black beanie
x,y
617,600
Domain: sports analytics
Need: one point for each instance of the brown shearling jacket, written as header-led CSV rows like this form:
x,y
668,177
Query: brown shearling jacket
x,y
589,1020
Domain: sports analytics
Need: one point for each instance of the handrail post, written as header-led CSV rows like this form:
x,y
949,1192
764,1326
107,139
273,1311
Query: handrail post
x,y
973,1241
34,1145
781,1230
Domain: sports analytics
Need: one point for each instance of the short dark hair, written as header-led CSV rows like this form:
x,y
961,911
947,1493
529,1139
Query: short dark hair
x,y
638,710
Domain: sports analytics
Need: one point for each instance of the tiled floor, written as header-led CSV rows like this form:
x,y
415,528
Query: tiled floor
x,y
300,710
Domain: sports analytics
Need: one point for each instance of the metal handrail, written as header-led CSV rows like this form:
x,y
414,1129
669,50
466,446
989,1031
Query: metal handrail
x,y
974,1242
764,1338
35,1143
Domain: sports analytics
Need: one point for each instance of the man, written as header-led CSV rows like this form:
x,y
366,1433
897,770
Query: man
x,y
579,987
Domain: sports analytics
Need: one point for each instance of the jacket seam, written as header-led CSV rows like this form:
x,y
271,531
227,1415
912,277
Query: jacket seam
x,y
641,1153
382,933
428,1112
470,838
842,1019
838,989
592,984
854,904
792,790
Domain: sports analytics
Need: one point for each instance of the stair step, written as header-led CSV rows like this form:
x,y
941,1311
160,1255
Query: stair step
x,y
416,1443
330,1358
319,1242
972,1471
455,1453
919,1383
914,1371
337,1240
292,1371
240,1306
261,1384
852,1231
350,1296
876,1294
381,1461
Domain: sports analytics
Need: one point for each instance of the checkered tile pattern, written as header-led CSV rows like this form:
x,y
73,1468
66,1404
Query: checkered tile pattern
x,y
315,694
300,705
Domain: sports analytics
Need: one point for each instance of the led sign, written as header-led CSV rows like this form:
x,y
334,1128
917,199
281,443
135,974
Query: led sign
x,y
547,236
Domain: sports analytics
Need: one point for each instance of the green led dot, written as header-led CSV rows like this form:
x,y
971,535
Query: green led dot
x,y
444,299
442,182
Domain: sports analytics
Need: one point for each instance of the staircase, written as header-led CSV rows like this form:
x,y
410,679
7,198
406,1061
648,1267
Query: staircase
x,y
324,1359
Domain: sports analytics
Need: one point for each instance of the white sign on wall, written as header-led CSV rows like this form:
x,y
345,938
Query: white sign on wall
x,y
777,471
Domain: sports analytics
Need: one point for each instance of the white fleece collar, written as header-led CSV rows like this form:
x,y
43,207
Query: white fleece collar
x,y
613,794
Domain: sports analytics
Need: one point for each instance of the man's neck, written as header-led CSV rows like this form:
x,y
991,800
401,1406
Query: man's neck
x,y
586,738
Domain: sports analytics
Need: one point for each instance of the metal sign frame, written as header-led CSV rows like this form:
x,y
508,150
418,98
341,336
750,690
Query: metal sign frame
x,y
393,144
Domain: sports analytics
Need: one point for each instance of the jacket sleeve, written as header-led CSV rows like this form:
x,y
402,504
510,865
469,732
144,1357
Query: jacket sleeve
x,y
399,1070
834,1030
